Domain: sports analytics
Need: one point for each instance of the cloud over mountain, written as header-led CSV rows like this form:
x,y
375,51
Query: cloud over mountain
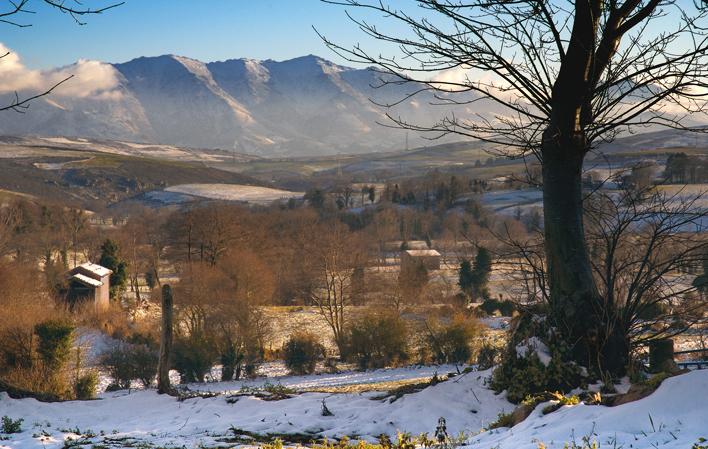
x,y
90,78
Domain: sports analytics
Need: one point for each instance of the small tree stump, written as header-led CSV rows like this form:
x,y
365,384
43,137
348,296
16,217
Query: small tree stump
x,y
661,356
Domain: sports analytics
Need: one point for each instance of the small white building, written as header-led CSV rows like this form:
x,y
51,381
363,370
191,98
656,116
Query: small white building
x,y
429,258
89,282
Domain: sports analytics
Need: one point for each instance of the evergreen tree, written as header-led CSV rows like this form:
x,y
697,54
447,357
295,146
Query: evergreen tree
x,y
110,258
481,271
316,198
466,277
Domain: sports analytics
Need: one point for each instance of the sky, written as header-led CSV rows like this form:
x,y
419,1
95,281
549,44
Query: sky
x,y
208,30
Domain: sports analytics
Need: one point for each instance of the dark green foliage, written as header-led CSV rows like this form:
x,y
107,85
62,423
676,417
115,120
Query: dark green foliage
x,y
110,258
378,341
503,420
481,270
686,169
466,277
528,376
193,357
491,306
54,346
10,425
473,278
301,353
452,343
150,279
316,198
127,362
85,386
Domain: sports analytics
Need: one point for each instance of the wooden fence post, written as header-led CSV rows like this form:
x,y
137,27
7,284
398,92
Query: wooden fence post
x,y
163,372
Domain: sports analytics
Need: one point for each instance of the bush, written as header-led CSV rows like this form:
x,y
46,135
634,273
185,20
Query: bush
x,y
453,343
85,386
10,425
503,420
55,339
301,353
491,306
127,362
378,341
193,358
523,376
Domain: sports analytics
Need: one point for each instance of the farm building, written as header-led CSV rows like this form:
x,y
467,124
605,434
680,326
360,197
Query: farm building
x,y
89,282
429,258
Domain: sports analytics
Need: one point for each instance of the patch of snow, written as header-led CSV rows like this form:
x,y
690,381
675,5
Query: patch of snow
x,y
234,192
64,140
496,322
534,345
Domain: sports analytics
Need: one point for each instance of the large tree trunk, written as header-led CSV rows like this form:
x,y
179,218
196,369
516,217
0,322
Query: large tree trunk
x,y
573,293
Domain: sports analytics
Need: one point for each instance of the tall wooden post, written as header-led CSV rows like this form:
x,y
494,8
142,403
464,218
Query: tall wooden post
x,y
163,373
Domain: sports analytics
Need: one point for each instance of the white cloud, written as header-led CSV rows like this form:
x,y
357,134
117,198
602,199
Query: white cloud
x,y
91,78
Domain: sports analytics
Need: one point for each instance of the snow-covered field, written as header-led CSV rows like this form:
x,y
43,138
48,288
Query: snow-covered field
x,y
275,373
508,201
234,192
674,417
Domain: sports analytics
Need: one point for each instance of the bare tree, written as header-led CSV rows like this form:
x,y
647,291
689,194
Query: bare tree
x,y
640,243
337,254
559,77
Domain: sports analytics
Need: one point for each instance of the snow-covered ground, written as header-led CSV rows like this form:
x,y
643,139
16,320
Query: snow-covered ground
x,y
234,192
274,373
164,421
674,417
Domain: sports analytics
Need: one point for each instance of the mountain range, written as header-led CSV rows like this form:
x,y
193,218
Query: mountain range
x,y
300,107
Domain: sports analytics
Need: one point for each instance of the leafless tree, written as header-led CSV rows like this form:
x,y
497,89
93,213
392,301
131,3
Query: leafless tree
x,y
559,77
337,254
640,242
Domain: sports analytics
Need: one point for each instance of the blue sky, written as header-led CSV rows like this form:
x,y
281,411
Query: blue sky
x,y
208,30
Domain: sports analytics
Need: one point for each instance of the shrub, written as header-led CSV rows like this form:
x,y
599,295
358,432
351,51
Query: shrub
x,y
560,401
127,362
55,339
193,358
491,306
503,420
453,343
10,425
526,375
378,341
301,353
85,385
